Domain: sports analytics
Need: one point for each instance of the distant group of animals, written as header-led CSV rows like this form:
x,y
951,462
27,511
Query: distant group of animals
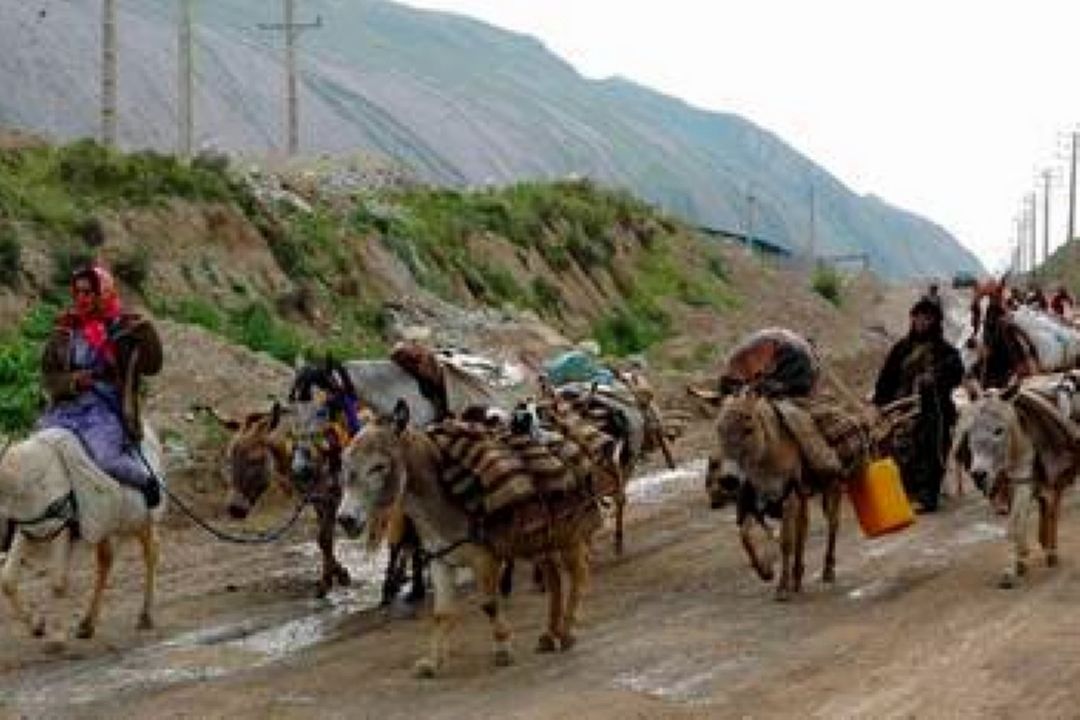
x,y
485,484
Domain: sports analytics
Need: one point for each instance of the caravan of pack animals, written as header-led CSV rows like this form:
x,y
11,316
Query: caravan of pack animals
x,y
450,469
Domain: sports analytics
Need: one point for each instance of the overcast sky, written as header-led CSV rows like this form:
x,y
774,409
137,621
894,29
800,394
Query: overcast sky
x,y
944,107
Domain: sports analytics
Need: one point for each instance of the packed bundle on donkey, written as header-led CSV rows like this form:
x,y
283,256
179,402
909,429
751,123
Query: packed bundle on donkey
x,y
482,495
515,483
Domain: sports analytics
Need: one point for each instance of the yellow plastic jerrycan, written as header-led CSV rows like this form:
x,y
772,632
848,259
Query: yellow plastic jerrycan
x,y
880,501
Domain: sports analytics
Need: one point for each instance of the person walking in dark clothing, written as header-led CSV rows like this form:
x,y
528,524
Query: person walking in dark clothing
x,y
925,364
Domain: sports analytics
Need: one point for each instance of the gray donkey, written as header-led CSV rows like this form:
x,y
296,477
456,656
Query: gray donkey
x,y
1018,447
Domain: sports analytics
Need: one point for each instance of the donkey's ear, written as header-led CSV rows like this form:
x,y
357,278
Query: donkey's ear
x,y
275,415
1010,393
401,416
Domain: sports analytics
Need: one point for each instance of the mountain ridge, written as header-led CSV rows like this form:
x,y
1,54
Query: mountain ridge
x,y
462,102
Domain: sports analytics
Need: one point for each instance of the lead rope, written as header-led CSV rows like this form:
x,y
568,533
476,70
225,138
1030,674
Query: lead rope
x,y
263,538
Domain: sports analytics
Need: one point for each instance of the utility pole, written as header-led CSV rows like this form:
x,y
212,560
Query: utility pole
x,y
185,103
1017,245
1072,188
108,72
1046,215
750,219
1032,233
292,30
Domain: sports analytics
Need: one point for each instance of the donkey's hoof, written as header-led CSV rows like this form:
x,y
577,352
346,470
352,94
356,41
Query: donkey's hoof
x,y
145,621
1021,569
416,595
85,630
829,576
567,642
1051,560
1008,581
342,576
546,644
424,669
37,628
322,590
503,658
782,595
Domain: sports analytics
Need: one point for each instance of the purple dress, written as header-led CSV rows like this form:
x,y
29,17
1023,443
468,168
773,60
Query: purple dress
x,y
94,417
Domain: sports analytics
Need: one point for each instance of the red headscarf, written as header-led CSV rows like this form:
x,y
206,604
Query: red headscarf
x,y
94,311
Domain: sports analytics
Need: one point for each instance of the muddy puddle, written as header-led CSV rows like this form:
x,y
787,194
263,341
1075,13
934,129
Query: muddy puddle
x,y
657,487
686,680
273,634
269,636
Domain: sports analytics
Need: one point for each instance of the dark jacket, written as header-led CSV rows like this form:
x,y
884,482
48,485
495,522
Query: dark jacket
x,y
913,357
138,353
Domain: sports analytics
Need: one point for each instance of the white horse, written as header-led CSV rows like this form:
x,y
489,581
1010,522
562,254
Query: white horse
x,y
49,487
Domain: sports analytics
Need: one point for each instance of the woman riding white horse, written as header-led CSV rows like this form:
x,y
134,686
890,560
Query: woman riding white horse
x,y
92,469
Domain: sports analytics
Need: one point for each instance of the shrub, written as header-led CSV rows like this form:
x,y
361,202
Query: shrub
x,y
500,284
633,329
255,327
546,297
718,268
196,311
67,258
10,255
133,267
826,282
21,399
20,396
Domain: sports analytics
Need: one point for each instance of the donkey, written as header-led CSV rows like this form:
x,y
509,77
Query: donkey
x,y
1014,463
633,417
390,467
54,494
760,461
259,455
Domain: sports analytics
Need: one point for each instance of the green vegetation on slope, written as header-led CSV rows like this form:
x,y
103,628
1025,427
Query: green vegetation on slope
x,y
531,246
20,383
60,188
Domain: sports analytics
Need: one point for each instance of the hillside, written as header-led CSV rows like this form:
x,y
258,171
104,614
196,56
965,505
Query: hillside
x,y
1063,267
459,101
517,272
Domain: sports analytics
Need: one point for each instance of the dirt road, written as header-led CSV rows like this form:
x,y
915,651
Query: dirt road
x,y
678,628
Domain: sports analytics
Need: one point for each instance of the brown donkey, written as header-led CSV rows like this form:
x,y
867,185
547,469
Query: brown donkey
x,y
761,462
390,466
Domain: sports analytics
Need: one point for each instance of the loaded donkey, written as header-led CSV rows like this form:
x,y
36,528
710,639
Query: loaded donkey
x,y
1021,446
482,498
779,444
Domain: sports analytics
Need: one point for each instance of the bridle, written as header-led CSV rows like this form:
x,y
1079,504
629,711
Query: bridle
x,y
64,510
